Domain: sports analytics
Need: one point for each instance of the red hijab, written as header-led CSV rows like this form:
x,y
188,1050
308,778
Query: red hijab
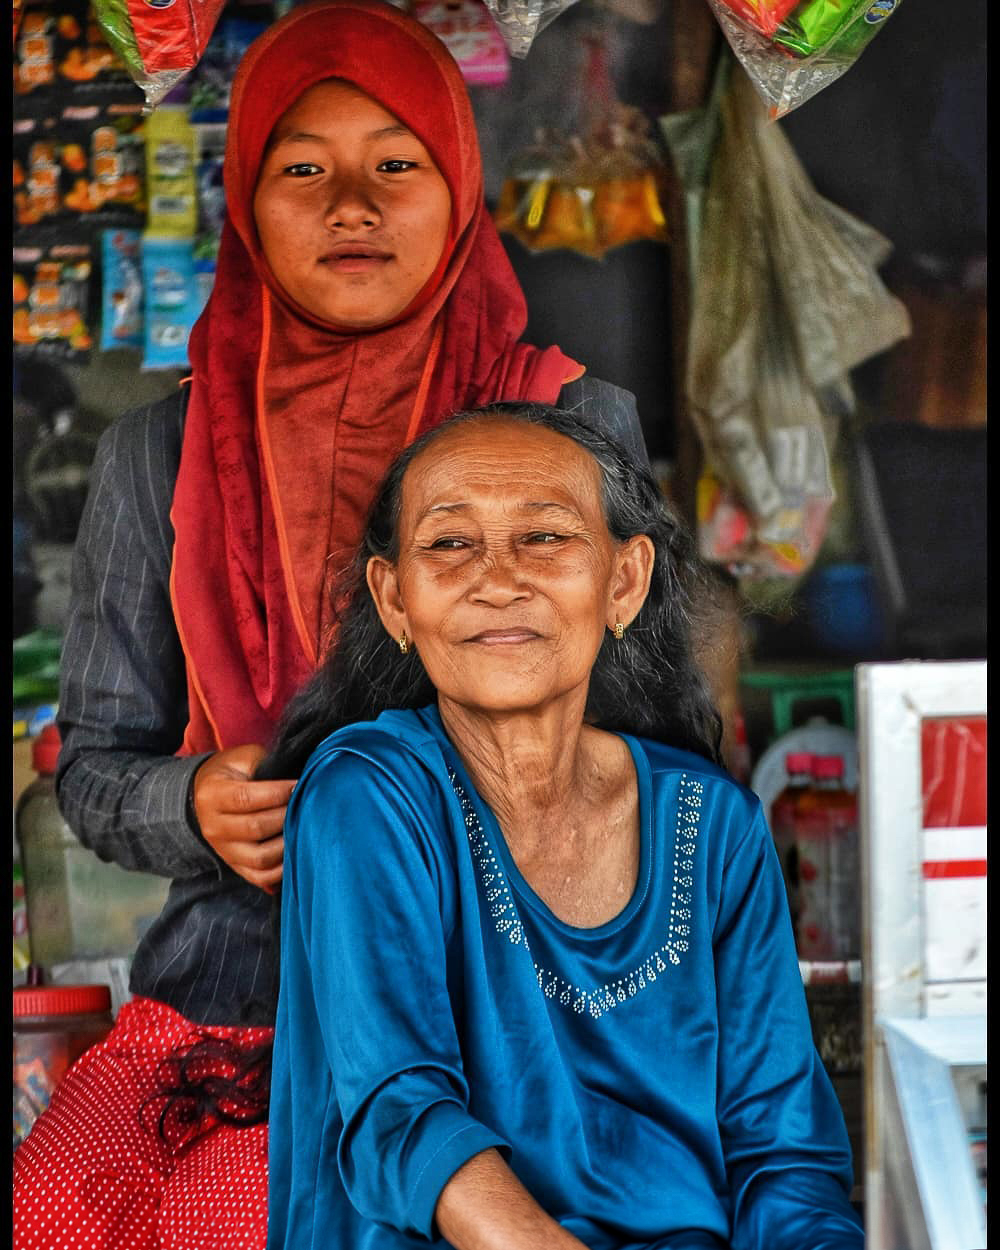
x,y
292,422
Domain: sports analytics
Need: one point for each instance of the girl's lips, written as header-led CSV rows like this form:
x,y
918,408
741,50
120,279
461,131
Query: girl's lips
x,y
359,263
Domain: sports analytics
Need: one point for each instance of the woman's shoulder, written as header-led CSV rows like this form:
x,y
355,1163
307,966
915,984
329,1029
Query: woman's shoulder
x,y
399,751
608,408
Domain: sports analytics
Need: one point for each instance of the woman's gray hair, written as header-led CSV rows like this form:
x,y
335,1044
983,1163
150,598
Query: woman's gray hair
x,y
647,683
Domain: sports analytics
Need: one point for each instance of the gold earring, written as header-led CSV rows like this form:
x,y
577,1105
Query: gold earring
x,y
404,642
619,631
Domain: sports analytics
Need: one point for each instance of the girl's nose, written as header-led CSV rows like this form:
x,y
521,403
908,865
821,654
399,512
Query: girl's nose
x,y
351,207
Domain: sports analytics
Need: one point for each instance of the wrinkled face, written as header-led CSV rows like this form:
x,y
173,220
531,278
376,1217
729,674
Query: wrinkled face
x,y
507,576
351,211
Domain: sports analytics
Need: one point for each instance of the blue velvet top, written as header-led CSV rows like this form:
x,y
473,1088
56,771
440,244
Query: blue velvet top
x,y
652,1081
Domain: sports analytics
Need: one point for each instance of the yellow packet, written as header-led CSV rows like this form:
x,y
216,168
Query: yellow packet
x,y
171,166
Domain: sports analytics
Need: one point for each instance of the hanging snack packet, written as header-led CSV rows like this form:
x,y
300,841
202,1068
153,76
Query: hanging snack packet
x,y
519,21
526,186
87,164
51,301
763,15
61,45
171,301
121,289
811,46
470,34
160,41
171,183
831,26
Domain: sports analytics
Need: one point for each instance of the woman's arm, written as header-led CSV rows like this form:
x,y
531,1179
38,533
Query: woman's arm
x,y
783,1133
369,904
122,698
485,1207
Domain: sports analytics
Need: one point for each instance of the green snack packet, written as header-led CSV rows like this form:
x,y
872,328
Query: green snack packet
x,y
840,29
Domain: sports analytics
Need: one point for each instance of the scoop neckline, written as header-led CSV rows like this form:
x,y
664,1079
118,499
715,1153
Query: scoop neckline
x,y
520,886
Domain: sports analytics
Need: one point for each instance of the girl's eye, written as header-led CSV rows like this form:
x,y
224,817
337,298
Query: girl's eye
x,y
396,166
302,169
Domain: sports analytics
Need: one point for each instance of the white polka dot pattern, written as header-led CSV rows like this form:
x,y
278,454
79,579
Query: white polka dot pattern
x,y
89,1176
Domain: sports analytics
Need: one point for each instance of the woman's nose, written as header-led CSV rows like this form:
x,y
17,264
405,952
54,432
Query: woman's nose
x,y
499,582
351,207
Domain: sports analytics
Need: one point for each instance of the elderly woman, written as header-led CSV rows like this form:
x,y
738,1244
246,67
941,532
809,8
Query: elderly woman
x,y
538,983
361,296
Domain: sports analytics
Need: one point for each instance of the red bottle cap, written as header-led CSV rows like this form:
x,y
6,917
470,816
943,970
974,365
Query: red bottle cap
x,y
45,751
60,1000
798,761
827,767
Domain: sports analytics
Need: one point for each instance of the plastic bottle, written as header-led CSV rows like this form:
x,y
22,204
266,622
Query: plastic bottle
x,y
828,866
798,771
79,907
53,1026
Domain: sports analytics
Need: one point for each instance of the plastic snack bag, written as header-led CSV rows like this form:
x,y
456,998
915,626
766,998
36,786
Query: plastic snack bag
x,y
173,298
470,34
171,172
160,41
791,51
595,190
60,45
121,289
519,21
51,301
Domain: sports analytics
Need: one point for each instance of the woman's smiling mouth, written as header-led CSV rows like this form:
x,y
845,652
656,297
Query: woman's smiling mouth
x,y
504,637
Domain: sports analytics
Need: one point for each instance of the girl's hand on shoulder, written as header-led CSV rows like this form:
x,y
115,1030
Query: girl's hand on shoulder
x,y
241,819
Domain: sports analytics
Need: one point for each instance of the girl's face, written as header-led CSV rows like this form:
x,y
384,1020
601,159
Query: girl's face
x,y
351,211
507,577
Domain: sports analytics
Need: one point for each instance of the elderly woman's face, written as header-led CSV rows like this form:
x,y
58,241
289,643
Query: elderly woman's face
x,y
507,576
351,211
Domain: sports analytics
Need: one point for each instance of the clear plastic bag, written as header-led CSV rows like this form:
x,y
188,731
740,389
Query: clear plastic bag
x,y
519,21
786,302
792,49
595,190
159,42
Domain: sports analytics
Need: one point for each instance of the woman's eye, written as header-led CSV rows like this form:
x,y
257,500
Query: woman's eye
x,y
544,536
448,544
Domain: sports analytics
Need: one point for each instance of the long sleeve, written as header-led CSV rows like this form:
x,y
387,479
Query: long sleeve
x,y
787,1154
369,898
122,700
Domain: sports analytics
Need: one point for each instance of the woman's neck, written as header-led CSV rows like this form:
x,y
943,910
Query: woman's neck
x,y
530,763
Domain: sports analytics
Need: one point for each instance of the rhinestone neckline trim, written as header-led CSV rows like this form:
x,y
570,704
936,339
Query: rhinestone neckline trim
x,y
599,1000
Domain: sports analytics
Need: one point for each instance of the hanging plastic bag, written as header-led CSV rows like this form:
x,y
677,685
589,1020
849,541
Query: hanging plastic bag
x,y
592,191
786,302
519,21
160,41
792,49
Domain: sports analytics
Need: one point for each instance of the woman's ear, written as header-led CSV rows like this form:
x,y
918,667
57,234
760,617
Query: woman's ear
x,y
630,580
384,587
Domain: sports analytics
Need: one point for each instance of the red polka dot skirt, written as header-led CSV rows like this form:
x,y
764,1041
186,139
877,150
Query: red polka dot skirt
x,y
94,1173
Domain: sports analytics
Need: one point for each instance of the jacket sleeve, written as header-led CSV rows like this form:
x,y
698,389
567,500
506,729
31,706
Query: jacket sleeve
x,y
609,409
123,693
786,1147
368,903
